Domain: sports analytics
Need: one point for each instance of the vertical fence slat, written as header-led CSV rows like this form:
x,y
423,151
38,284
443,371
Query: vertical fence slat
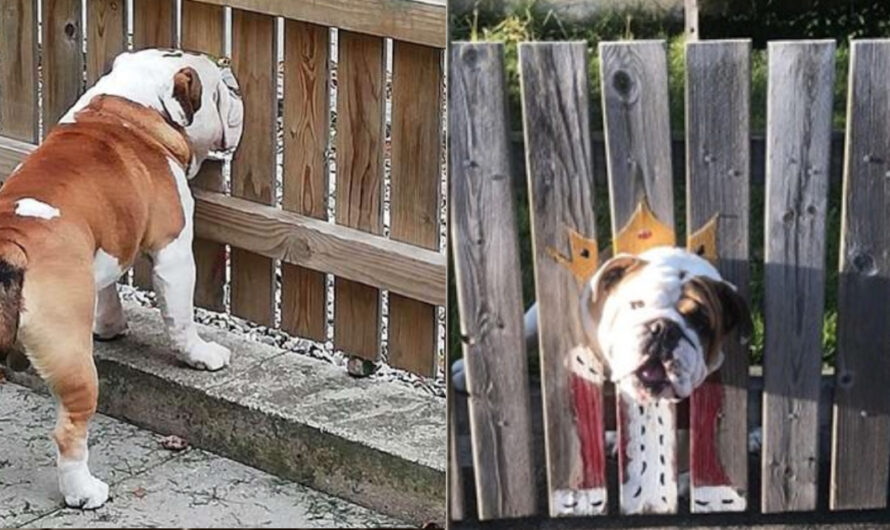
x,y
455,474
414,200
18,69
106,35
798,143
718,167
306,131
62,58
253,167
360,101
560,178
488,284
861,437
153,25
637,126
203,30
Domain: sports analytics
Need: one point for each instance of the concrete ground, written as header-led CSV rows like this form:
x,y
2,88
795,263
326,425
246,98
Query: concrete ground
x,y
150,485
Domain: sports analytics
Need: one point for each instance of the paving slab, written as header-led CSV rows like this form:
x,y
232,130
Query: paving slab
x,y
379,444
150,485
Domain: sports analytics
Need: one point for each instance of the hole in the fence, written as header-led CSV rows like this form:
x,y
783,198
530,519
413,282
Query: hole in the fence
x,y
811,210
700,250
70,30
622,82
585,253
845,380
470,56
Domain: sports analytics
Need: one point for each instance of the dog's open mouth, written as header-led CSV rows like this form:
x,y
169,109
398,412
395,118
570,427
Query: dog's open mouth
x,y
653,377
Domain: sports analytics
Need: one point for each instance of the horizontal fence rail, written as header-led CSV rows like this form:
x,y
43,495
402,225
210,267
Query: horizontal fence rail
x,y
657,446
309,198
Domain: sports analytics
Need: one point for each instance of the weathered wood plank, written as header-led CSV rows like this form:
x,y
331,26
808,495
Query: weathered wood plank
x,y
486,259
559,164
635,105
718,169
203,31
253,167
154,23
455,474
306,127
636,118
62,58
861,437
419,21
106,33
414,195
360,102
799,111
398,267
18,70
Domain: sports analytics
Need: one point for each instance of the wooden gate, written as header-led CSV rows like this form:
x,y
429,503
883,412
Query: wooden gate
x,y
276,210
559,170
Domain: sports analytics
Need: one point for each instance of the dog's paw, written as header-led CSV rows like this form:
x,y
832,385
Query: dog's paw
x,y
208,356
83,491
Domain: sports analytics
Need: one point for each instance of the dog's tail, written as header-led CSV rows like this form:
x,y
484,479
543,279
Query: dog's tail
x,y
13,262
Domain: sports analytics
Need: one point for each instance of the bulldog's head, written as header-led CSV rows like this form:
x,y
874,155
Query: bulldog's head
x,y
659,320
192,91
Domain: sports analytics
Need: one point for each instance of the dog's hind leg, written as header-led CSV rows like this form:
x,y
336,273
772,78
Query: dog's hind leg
x,y
55,331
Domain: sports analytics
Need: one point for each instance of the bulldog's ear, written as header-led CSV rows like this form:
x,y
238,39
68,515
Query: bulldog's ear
x,y
734,311
612,272
231,109
187,92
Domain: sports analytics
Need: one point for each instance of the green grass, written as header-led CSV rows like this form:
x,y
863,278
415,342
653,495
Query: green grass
x,y
528,23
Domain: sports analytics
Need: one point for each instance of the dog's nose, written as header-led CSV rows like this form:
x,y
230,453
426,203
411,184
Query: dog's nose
x,y
664,336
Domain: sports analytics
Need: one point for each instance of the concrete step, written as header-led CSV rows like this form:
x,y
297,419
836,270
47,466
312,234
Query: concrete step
x,y
378,444
150,486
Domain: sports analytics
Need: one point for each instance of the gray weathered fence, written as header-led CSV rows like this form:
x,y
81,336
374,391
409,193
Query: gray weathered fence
x,y
559,169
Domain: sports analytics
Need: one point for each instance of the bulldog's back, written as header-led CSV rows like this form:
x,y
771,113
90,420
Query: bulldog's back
x,y
104,180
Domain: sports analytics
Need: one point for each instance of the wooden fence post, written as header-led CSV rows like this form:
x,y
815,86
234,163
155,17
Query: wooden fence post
x,y
62,58
18,71
416,171
861,432
360,136
799,112
718,83
636,119
254,61
486,260
306,132
106,35
559,164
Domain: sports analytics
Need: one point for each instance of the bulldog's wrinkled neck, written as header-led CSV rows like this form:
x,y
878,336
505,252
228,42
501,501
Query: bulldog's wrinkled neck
x,y
141,120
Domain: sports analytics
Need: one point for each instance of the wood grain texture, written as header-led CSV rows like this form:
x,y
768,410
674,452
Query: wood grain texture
x,y
62,58
636,120
154,24
253,167
455,494
559,164
414,195
418,21
718,171
106,34
799,110
306,127
861,430
489,293
360,102
18,69
203,31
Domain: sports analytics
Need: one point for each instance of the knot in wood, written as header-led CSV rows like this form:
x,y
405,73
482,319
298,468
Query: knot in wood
x,y
70,30
470,56
864,263
623,84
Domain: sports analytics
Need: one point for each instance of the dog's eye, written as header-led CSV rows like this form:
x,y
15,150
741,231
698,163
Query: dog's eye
x,y
699,321
636,304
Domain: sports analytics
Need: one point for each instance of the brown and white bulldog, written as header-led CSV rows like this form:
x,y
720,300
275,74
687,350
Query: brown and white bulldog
x,y
107,184
657,321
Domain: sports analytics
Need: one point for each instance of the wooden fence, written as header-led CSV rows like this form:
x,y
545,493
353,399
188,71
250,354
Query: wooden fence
x,y
260,227
576,399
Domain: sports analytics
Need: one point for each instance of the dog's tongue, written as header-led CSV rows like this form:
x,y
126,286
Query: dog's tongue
x,y
652,372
